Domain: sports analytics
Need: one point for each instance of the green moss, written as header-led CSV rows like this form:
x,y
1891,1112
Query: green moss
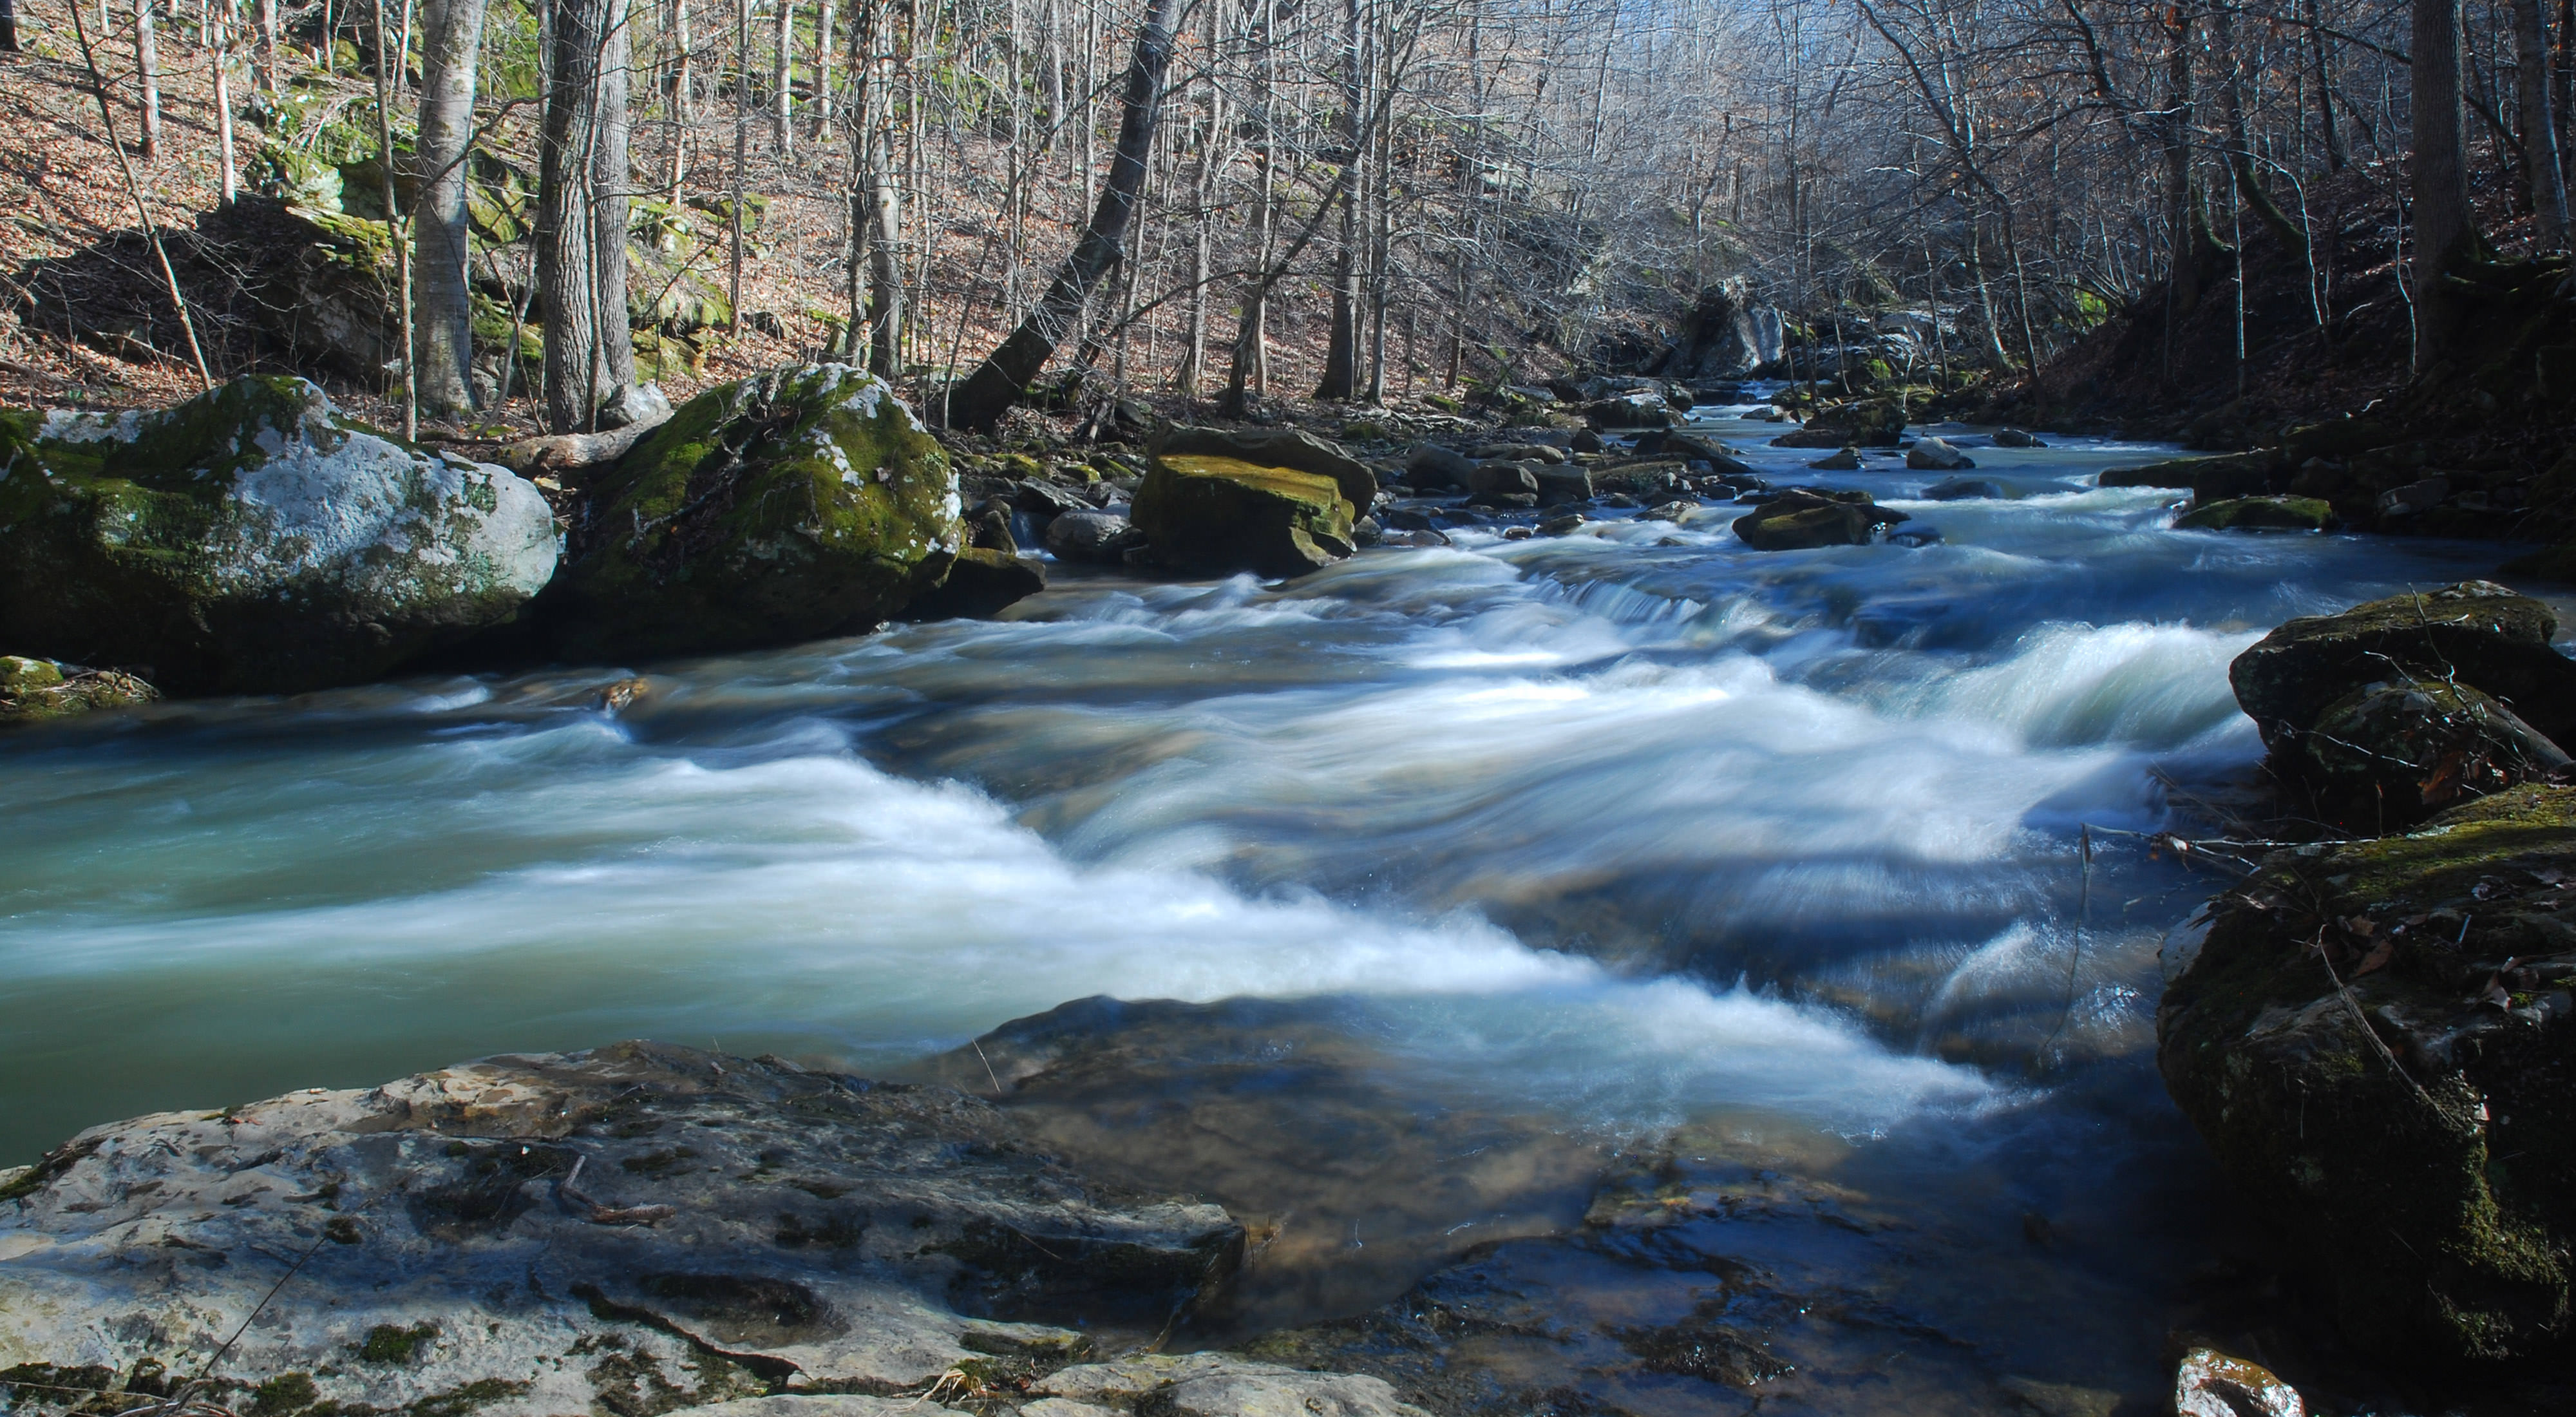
x,y
801,503
2258,514
285,1393
1207,513
387,1343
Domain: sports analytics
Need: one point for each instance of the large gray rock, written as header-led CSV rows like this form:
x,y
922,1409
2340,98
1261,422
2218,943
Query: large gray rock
x,y
252,539
1432,465
1217,1385
1088,536
1936,455
1726,335
631,1229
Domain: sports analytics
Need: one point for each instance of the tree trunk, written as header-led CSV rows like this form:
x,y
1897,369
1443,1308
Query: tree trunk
x,y
2337,156
9,26
782,76
1003,379
451,36
219,30
147,71
1341,354
2539,129
2444,228
581,214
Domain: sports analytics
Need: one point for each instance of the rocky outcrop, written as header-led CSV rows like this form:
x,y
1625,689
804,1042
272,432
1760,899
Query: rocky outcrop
x,y
1628,412
634,1229
2372,1037
253,540
1277,503
804,502
1805,517
2258,514
1726,335
32,690
2389,752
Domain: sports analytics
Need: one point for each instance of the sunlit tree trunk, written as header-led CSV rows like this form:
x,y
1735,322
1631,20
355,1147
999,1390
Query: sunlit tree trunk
x,y
451,38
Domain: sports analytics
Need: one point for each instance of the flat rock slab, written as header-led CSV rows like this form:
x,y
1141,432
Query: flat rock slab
x,y
625,1230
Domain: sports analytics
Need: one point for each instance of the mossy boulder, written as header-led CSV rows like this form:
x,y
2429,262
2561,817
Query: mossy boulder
x,y
35,689
2388,754
2476,633
1803,518
253,540
2557,563
2258,514
1217,501
804,502
2374,1038
2211,479
1868,423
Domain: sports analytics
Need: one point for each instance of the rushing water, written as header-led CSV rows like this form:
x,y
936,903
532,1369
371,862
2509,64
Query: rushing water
x,y
1522,861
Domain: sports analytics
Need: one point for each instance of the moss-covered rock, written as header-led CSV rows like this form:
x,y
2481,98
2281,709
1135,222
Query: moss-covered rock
x,y
253,540
35,689
980,584
2215,479
2388,754
1868,423
1217,515
2476,633
2376,1039
1806,517
804,502
2558,563
1278,447
2258,514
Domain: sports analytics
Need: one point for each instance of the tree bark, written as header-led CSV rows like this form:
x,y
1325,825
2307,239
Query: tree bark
x,y
782,78
2539,128
581,214
147,73
1003,378
451,37
9,26
2445,231
1341,352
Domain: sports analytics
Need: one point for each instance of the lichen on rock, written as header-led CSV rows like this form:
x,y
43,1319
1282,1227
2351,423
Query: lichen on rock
x,y
32,690
803,502
1218,501
253,540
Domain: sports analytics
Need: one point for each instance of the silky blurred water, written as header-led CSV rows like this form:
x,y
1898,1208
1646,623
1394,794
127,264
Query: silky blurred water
x,y
1605,834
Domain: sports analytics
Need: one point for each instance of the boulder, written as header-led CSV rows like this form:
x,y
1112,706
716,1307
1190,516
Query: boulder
x,y
585,1232
1962,489
1432,465
36,689
1870,423
2475,633
1089,536
2258,514
2017,438
2210,479
1628,411
1707,450
253,540
2388,754
1286,448
1214,1385
1802,518
1560,483
980,584
804,502
1652,480
1501,479
2208,1383
1674,512
1521,452
1219,513
1848,460
2371,1038
1936,455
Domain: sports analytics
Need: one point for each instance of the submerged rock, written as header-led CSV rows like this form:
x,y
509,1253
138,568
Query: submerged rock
x,y
1805,517
2372,1040
2258,514
804,502
35,689
1847,460
2476,633
253,540
1962,489
639,1224
2017,438
1935,455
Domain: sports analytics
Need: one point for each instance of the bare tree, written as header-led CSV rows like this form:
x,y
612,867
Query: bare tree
x,y
451,39
581,214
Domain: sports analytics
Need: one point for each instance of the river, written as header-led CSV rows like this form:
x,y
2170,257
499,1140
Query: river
x,y
1475,873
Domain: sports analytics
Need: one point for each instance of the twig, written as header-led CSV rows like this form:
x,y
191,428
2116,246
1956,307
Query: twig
x,y
2360,1021
134,188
